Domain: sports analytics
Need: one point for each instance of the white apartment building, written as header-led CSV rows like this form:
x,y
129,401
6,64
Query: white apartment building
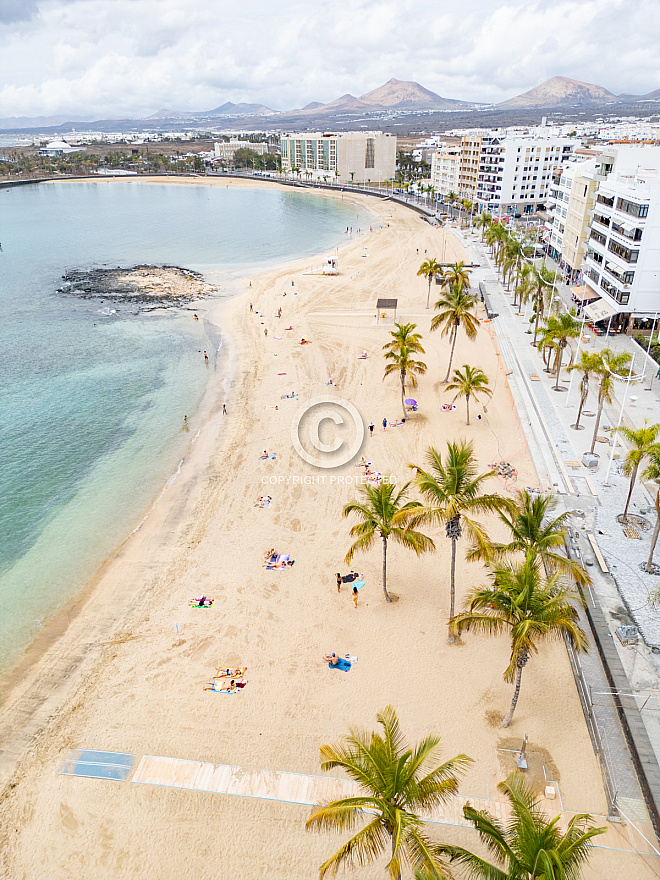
x,y
224,150
513,173
360,157
445,167
622,262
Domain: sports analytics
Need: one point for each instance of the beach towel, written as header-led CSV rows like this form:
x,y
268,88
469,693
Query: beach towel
x,y
262,504
448,407
230,672
358,585
343,664
195,604
221,690
281,374
279,562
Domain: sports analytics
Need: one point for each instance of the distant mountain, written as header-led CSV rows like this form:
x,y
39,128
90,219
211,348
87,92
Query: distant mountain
x,y
230,109
655,95
399,94
41,121
560,91
393,95
227,109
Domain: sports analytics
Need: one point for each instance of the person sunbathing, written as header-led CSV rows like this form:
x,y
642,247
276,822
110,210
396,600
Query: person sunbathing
x,y
202,602
231,672
270,554
237,684
331,658
262,457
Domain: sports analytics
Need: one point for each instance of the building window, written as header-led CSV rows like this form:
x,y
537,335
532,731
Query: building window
x,y
605,200
631,208
627,254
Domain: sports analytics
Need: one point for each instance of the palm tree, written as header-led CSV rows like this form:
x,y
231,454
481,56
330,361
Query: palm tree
x,y
456,275
452,490
429,269
399,352
609,365
495,236
385,513
652,472
532,607
561,328
397,782
643,441
544,281
454,311
482,222
524,285
528,847
471,382
533,530
587,364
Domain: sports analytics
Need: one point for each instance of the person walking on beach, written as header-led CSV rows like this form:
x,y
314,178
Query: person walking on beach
x,y
251,307
206,358
224,409
338,582
371,429
355,596
384,424
265,331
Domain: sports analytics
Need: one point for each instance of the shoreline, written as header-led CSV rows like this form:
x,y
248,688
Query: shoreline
x,y
139,688
213,309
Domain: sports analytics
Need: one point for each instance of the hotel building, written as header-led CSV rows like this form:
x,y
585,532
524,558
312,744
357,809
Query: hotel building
x,y
360,157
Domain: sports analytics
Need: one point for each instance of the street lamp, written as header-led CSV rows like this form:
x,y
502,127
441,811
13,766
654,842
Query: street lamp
x,y
630,378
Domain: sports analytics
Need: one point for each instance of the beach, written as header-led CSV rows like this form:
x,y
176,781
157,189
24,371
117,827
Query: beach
x,y
123,667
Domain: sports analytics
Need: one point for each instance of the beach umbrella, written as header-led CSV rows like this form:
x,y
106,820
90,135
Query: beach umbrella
x,y
411,402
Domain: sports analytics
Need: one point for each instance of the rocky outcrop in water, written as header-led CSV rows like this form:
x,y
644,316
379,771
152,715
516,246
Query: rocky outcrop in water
x,y
138,284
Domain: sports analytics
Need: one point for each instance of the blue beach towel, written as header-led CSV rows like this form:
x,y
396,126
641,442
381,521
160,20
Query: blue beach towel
x,y
344,665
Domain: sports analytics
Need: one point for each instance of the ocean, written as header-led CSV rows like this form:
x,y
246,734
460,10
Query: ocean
x,y
92,395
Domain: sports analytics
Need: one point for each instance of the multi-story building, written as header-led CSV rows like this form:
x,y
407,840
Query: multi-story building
x,y
360,157
445,166
468,173
622,262
570,203
224,150
513,172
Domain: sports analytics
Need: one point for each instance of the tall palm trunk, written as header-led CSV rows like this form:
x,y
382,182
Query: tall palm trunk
x,y
387,595
633,477
601,404
521,662
428,295
451,354
656,532
467,407
539,304
584,392
560,355
403,392
453,531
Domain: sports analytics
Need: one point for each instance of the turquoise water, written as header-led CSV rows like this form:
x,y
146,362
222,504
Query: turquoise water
x,y
91,407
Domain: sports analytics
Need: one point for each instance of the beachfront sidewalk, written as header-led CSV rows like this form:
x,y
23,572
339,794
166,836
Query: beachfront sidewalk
x,y
546,416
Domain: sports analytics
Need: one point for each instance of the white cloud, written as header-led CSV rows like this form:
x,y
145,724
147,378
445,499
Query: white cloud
x,y
133,57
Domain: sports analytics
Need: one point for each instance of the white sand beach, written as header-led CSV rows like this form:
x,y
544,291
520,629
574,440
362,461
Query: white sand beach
x,y
123,668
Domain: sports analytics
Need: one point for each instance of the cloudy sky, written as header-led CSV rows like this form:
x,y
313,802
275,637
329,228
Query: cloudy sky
x,y
135,57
